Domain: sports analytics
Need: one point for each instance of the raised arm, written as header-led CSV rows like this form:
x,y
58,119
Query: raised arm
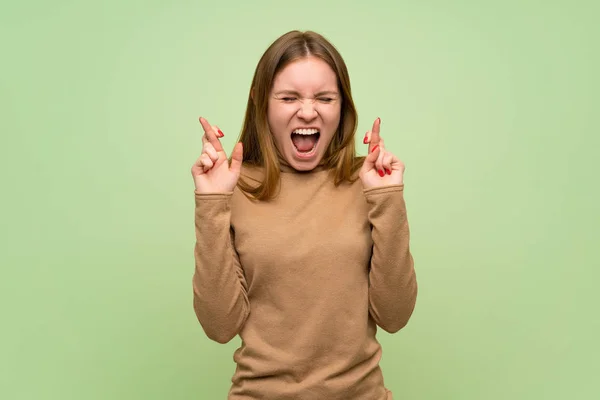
x,y
392,279
220,293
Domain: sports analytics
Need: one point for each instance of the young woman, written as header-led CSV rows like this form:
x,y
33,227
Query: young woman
x,y
302,247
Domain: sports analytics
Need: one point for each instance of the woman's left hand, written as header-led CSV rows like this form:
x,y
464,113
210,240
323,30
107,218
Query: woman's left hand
x,y
381,168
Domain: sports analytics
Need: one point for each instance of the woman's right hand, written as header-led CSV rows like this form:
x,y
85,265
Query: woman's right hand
x,y
212,172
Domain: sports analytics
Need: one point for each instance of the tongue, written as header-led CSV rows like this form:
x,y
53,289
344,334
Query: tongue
x,y
304,142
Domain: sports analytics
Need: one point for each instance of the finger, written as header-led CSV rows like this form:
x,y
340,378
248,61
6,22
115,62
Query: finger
x,y
237,156
211,135
218,131
379,162
370,159
374,138
388,158
207,163
198,162
198,167
367,137
212,153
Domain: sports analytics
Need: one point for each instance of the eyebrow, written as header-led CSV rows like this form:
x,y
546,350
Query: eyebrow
x,y
324,92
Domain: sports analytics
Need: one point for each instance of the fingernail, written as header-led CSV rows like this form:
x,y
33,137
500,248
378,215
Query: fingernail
x,y
220,133
381,173
389,171
374,148
379,120
366,139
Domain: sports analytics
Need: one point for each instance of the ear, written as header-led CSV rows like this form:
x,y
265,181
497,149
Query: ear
x,y
252,94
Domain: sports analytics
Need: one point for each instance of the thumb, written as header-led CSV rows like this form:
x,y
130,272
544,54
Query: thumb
x,y
370,159
236,158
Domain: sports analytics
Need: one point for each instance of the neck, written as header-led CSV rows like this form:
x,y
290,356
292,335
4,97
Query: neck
x,y
285,167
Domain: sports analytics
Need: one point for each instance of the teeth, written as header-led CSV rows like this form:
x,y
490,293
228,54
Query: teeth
x,y
306,131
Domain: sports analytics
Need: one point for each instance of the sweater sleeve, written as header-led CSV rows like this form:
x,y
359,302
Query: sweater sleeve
x,y
219,286
392,279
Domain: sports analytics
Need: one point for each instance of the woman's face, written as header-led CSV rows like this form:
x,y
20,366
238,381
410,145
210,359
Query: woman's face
x,y
304,111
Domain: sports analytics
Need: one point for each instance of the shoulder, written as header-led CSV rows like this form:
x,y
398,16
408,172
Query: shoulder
x,y
251,176
354,175
252,173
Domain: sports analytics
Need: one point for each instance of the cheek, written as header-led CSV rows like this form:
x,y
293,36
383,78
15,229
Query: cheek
x,y
277,115
270,114
332,116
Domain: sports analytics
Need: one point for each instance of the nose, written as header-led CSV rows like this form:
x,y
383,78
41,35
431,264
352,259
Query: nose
x,y
307,110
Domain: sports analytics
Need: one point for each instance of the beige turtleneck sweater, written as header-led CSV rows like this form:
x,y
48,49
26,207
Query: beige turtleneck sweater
x,y
304,279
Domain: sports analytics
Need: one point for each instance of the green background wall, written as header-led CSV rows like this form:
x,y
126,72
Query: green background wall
x,y
492,105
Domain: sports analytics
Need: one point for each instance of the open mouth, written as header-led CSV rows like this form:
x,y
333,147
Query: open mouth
x,y
305,140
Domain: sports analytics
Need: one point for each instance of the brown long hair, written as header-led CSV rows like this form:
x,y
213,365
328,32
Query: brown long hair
x,y
256,137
